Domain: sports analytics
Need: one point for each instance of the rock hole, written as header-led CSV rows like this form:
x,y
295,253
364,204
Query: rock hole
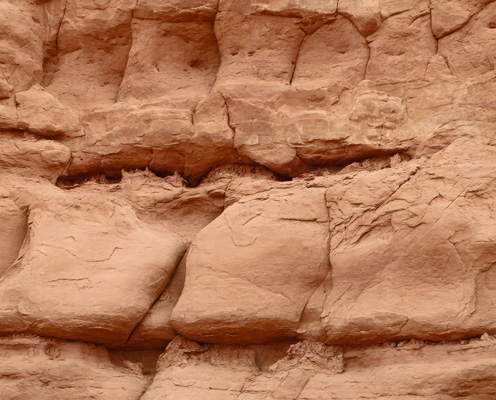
x,y
146,358
195,63
268,354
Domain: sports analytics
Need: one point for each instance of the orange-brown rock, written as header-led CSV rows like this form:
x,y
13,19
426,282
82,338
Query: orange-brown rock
x,y
76,267
27,156
40,113
41,368
313,371
275,199
250,272
14,223
412,249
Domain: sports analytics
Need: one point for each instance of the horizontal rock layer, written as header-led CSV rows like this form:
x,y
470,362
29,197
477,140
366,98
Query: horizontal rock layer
x,y
174,86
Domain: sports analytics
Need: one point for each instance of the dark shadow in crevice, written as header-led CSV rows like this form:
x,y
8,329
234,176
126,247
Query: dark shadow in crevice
x,y
382,160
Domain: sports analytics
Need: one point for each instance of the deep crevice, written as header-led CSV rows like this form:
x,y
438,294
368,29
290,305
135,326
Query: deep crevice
x,y
295,62
50,63
73,181
432,31
156,299
128,53
368,48
218,49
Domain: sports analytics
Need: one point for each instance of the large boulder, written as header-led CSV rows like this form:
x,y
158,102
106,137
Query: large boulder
x,y
250,272
89,270
413,250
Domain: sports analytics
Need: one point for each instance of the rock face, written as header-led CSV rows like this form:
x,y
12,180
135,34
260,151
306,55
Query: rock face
x,y
33,367
412,250
251,271
247,199
78,255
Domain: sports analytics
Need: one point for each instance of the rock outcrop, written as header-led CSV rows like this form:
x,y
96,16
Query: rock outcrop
x,y
247,199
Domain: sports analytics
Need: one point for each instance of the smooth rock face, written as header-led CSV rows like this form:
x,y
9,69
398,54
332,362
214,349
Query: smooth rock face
x,y
76,267
250,273
247,199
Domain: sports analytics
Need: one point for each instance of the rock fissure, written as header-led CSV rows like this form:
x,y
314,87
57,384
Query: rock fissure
x,y
297,56
129,52
152,304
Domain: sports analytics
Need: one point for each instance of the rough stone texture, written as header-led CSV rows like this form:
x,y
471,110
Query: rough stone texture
x,y
14,223
284,199
27,156
172,86
40,113
469,51
39,368
313,371
413,248
21,33
187,370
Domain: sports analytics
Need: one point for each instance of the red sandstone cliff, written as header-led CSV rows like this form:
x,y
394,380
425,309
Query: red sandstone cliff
x,y
247,199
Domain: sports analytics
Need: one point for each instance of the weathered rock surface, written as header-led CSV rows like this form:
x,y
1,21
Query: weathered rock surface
x,y
76,267
187,370
283,198
312,371
412,249
39,368
40,113
250,272
27,156
14,223
172,87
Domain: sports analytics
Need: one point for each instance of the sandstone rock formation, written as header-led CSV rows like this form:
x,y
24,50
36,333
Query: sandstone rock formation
x,y
34,367
247,199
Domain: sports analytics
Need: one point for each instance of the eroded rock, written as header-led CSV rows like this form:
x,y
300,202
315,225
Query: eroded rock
x,y
412,250
27,156
380,111
40,113
256,266
34,367
73,278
